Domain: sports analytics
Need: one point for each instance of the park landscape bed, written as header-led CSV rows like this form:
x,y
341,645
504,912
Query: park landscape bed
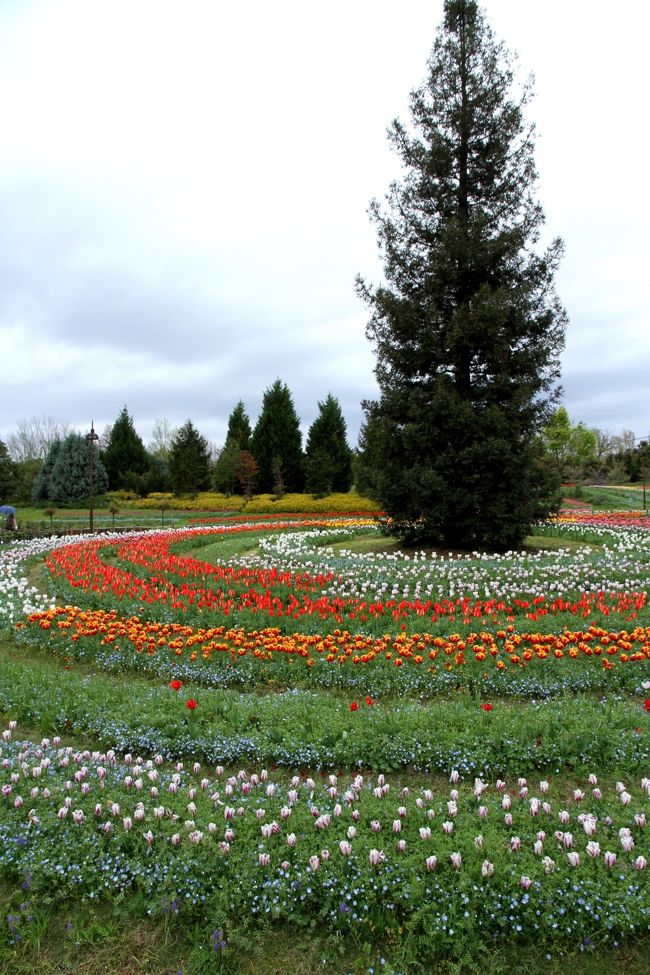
x,y
276,724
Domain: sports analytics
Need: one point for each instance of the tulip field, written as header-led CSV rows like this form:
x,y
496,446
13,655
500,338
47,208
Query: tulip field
x,y
283,745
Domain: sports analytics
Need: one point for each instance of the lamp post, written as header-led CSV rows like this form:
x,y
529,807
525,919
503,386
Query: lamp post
x,y
91,438
642,455
643,446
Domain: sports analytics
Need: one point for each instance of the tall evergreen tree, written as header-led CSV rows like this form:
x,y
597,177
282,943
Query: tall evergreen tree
x,y
189,461
468,327
238,437
70,477
125,457
276,443
239,427
328,458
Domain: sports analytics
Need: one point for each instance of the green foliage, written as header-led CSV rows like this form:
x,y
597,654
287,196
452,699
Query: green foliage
x,y
277,440
70,475
224,475
7,474
161,438
26,472
239,428
568,445
41,487
189,461
125,457
468,328
328,458
229,462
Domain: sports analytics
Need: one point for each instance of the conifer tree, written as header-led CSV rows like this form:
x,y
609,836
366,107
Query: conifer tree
x,y
467,328
238,438
189,461
277,440
70,477
328,458
41,487
125,457
239,427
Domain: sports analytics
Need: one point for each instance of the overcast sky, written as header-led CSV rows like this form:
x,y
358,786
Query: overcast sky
x,y
184,188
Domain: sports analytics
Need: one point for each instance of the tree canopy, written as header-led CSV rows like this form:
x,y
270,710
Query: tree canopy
x,y
328,458
125,457
467,327
239,427
276,443
69,478
189,461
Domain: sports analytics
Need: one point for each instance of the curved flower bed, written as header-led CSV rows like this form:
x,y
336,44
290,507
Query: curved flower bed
x,y
517,685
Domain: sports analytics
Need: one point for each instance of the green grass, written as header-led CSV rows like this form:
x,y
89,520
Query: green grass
x,y
625,497
111,939
370,544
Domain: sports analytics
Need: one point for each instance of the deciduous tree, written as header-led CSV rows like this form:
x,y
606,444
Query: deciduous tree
x,y
570,445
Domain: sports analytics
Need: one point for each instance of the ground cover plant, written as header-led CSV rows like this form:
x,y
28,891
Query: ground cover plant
x,y
242,737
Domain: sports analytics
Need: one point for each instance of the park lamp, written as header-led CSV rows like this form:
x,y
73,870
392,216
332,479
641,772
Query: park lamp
x,y
642,446
91,438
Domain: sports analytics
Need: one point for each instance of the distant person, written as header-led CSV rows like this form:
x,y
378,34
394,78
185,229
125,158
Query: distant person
x,y
11,524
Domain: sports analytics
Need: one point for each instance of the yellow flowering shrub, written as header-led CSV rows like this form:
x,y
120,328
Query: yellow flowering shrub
x,y
306,504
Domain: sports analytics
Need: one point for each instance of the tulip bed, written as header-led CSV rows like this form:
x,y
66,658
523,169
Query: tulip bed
x,y
423,757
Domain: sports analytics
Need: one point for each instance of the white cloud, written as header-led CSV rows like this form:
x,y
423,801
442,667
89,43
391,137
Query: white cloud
x,y
184,192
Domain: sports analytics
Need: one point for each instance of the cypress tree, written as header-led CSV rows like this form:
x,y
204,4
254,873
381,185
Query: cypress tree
x,y
238,437
468,328
239,427
125,457
328,458
189,461
276,443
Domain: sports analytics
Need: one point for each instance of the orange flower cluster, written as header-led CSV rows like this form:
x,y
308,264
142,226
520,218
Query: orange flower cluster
x,y
501,649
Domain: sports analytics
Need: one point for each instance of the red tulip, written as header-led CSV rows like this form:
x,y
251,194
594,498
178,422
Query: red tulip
x,y
191,704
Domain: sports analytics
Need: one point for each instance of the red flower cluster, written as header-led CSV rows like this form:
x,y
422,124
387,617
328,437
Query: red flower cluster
x,y
486,706
176,684
646,704
355,707
191,704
